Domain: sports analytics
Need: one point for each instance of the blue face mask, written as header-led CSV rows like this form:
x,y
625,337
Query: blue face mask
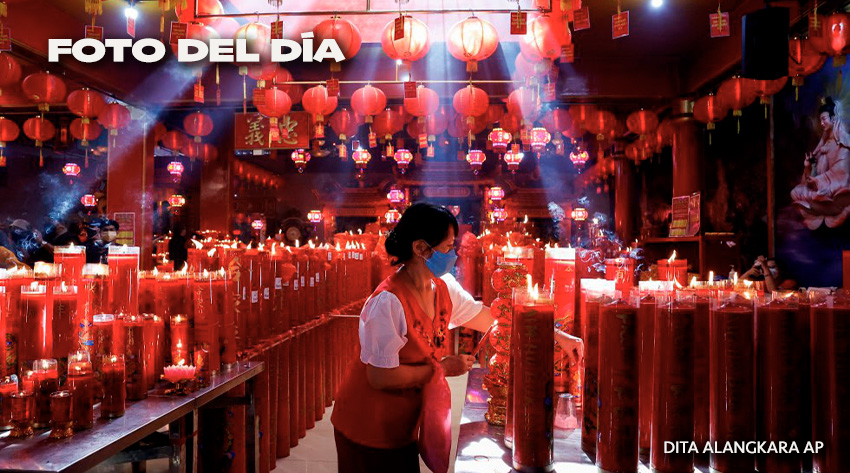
x,y
441,263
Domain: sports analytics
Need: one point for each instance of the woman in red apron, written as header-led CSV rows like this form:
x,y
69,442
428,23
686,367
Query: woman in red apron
x,y
378,415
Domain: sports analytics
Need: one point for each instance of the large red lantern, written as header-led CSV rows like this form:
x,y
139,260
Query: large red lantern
x,y
557,120
461,126
764,89
86,103
539,139
642,122
425,103
527,69
114,117
495,112
39,130
198,125
544,38
263,72
201,32
664,133
601,124
276,103
44,89
524,102
476,158
736,93
318,102
300,158
258,37
511,123
344,122
471,101
204,152
368,101
85,132
513,158
175,140
709,110
9,131
437,122
403,158
499,139
803,60
185,11
582,113
344,32
388,123
836,37
10,71
414,45
472,40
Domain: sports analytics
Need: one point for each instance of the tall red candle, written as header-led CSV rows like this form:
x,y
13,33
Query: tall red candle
x,y
653,294
702,334
82,386
95,289
533,405
46,377
238,305
252,273
265,296
520,254
208,291
4,320
561,281
70,260
617,445
124,276
595,292
147,292
673,270
114,393
103,330
135,357
622,272
732,382
66,322
8,385
35,338
181,339
673,386
777,366
155,348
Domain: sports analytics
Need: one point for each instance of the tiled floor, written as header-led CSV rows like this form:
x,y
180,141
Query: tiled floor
x,y
316,453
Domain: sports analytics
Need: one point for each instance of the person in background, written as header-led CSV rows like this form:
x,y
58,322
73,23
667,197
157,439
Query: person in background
x,y
109,232
63,236
95,247
766,269
178,246
29,245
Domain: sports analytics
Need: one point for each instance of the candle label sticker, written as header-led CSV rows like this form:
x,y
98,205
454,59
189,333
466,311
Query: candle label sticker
x,y
719,23
277,29
581,19
312,282
94,32
199,92
5,39
410,89
131,27
303,281
620,25
178,31
244,293
519,22
329,256
278,283
318,277
266,293
255,297
398,28
295,285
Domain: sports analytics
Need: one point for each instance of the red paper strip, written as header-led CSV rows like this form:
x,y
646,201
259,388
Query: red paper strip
x,y
815,26
410,89
519,20
131,27
398,32
568,53
423,141
333,87
277,29
719,23
94,32
199,93
178,31
5,39
620,25
259,97
373,140
581,19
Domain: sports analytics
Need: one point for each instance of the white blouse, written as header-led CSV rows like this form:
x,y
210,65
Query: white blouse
x,y
383,329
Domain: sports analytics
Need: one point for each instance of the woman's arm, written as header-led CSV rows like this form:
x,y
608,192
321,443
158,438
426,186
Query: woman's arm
x,y
400,377
482,320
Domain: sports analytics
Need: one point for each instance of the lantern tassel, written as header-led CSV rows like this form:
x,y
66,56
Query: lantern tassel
x,y
40,157
739,125
217,87
87,158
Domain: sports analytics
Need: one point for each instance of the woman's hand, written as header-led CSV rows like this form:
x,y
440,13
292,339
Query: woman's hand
x,y
573,346
456,365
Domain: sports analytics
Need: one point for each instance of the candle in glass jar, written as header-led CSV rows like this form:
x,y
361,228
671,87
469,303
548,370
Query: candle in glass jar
x,y
533,405
134,357
23,413
35,338
520,254
8,385
82,386
124,276
673,270
154,348
60,415
560,279
702,333
622,272
114,393
147,292
65,320
181,338
70,260
95,290
595,292
103,328
732,382
46,378
209,293
653,294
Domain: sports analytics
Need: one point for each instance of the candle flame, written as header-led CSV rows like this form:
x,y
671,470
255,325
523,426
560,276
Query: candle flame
x,y
155,271
177,319
45,365
297,243
179,344
338,247
672,257
233,245
71,245
735,278
678,285
359,231
528,281
222,272
206,274
711,277
198,245
211,253
250,245
693,282
748,283
261,247
184,268
181,362
63,287
34,286
113,359
535,292
525,220
312,245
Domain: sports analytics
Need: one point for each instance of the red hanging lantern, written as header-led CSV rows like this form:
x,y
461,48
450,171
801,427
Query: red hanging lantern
x,y
539,139
185,11
39,129
500,139
314,216
85,132
437,123
275,105
392,216
579,157
543,39
114,117
88,200
803,60
202,151
557,120
86,104
495,112
318,102
425,103
198,124
579,214
71,169
345,123
471,101
525,103
175,141
513,158
395,196
361,157
495,194
198,31
601,124
582,113
736,93
498,215
664,133
300,158
414,45
642,122
536,70
368,101
9,131
175,168
263,72
836,38
403,158
44,89
764,89
10,71
258,39
177,201
476,158
709,110
388,123
472,40
344,32
511,123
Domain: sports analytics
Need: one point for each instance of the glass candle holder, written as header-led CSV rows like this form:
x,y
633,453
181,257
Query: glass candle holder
x,y
134,357
46,372
23,414
114,393
70,260
202,368
94,286
8,385
181,339
35,323
60,415
65,321
81,384
124,276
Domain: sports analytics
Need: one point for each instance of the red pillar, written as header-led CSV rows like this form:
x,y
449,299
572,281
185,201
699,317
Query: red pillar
x,y
216,194
625,201
687,152
129,186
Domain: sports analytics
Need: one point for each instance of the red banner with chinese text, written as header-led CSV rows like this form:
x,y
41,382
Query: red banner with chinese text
x,y
252,131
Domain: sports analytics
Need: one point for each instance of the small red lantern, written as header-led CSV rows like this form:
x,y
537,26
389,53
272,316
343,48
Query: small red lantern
x,y
177,200
388,123
472,40
513,158
642,122
425,103
345,123
395,196
10,71
499,215
764,89
71,169
39,129
186,11
539,139
476,158
175,168
175,140
392,216
300,158
437,123
198,125
361,158
314,216
344,32
582,113
579,157
368,101
579,214
85,132
500,140
557,120
709,110
44,89
88,200
257,225
836,37
114,117
471,101
803,60
544,38
601,123
736,93
524,103
203,151
318,102
414,45
9,131
495,194
403,158
86,103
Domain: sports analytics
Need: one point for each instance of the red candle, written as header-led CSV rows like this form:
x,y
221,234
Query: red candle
x,y
8,385
82,386
155,348
236,313
282,270
147,292
23,413
35,339
777,366
60,415
653,294
46,378
202,259
181,339
520,254
251,271
732,382
70,260
622,272
124,276
673,270
95,291
209,293
103,330
595,292
66,322
560,278
202,366
134,357
174,294
673,386
114,392
267,329
533,325
702,334
617,445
